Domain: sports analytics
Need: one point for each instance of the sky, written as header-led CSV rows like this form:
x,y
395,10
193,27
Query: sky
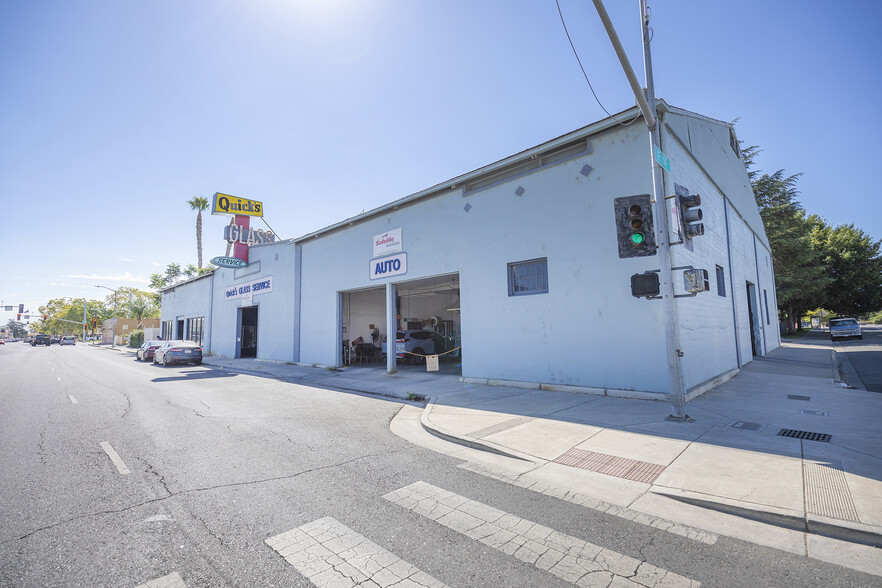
x,y
116,113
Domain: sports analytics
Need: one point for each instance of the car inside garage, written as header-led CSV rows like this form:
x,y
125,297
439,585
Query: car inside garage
x,y
427,318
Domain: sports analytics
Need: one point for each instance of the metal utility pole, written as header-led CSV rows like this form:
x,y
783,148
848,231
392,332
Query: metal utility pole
x,y
646,103
113,337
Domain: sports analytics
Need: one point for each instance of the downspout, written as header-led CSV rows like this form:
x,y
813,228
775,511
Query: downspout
x,y
759,302
210,310
732,283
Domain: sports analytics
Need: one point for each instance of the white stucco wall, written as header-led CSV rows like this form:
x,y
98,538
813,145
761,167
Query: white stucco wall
x,y
276,324
587,330
186,301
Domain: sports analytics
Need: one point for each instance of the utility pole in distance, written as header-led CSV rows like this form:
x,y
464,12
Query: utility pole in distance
x,y
646,103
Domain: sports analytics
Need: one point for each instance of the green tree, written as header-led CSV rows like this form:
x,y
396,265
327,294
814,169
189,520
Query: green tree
x,y
64,316
854,267
17,328
198,204
801,277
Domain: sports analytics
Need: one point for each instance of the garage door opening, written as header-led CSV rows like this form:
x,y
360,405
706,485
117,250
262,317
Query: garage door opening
x,y
427,324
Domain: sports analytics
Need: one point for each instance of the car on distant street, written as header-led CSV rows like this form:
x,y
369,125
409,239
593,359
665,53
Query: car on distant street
x,y
68,340
843,328
178,352
41,340
147,349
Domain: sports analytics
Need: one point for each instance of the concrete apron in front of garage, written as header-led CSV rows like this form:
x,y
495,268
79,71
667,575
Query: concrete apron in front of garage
x,y
781,455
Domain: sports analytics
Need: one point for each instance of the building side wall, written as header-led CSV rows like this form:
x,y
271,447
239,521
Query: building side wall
x,y
715,330
587,330
188,301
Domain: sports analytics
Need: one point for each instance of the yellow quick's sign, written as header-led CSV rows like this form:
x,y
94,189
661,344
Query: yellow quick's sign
x,y
226,204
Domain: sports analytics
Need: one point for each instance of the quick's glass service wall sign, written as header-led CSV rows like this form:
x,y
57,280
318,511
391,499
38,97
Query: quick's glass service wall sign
x,y
249,288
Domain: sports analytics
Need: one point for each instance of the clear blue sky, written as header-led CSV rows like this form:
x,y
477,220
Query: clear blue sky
x,y
114,114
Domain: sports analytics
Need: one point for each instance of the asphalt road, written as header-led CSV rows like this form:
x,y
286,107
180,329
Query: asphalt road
x,y
865,355
117,473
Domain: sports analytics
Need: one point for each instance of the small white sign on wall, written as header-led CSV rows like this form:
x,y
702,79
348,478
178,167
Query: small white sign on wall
x,y
388,242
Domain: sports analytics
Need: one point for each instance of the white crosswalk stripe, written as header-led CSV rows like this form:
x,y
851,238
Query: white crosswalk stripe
x,y
642,518
172,580
329,553
564,556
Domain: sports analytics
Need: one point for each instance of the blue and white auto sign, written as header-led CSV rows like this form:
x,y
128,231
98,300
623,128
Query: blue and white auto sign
x,y
386,267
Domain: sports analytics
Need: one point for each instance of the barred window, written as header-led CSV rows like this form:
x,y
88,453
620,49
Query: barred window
x,y
528,277
195,333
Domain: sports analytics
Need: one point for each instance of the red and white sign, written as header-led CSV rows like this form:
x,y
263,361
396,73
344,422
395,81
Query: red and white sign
x,y
388,242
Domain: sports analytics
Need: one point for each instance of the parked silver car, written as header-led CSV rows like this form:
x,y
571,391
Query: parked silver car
x,y
68,340
843,328
413,346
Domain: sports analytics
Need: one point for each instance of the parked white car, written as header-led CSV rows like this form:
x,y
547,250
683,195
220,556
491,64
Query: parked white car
x,y
843,328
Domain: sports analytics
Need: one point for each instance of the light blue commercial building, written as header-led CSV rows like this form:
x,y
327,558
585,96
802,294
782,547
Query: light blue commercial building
x,y
516,265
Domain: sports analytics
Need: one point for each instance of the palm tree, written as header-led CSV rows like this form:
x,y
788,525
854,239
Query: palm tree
x,y
198,204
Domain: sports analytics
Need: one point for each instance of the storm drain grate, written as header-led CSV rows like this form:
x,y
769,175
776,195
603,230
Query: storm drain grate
x,y
807,435
798,397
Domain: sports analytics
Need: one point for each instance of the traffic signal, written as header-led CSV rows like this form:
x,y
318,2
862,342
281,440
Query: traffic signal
x,y
634,227
94,323
45,317
645,285
690,214
19,317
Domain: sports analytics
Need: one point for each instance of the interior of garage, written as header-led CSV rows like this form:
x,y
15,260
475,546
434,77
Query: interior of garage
x,y
428,322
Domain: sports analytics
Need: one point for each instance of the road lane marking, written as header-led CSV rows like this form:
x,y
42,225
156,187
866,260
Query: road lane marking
x,y
172,580
329,553
72,399
115,458
636,516
569,558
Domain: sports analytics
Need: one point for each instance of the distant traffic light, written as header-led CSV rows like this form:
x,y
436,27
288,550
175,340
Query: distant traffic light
x,y
45,316
634,227
19,317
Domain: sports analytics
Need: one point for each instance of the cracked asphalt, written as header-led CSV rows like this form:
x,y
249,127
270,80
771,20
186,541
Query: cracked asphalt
x,y
222,463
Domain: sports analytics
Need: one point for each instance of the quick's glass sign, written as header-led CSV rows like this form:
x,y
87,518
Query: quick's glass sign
x,y
250,288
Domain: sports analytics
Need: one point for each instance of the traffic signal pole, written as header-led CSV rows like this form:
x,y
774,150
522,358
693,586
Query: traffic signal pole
x,y
646,103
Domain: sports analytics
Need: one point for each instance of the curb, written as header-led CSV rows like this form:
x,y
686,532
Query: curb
x,y
810,523
467,441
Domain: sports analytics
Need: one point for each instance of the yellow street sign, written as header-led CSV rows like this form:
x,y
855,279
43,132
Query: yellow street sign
x,y
226,204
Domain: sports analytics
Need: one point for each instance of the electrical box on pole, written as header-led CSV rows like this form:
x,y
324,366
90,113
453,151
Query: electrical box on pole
x,y
634,226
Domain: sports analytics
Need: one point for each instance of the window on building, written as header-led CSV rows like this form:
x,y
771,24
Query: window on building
x,y
721,282
766,300
166,330
733,143
194,332
528,277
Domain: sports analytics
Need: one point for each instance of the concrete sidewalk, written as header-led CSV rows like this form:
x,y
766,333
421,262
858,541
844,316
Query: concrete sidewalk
x,y
816,491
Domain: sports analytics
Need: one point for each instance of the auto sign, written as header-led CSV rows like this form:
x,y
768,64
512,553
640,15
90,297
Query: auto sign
x,y
228,261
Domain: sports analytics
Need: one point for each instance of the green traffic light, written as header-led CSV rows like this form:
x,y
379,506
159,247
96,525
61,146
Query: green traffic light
x,y
637,238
